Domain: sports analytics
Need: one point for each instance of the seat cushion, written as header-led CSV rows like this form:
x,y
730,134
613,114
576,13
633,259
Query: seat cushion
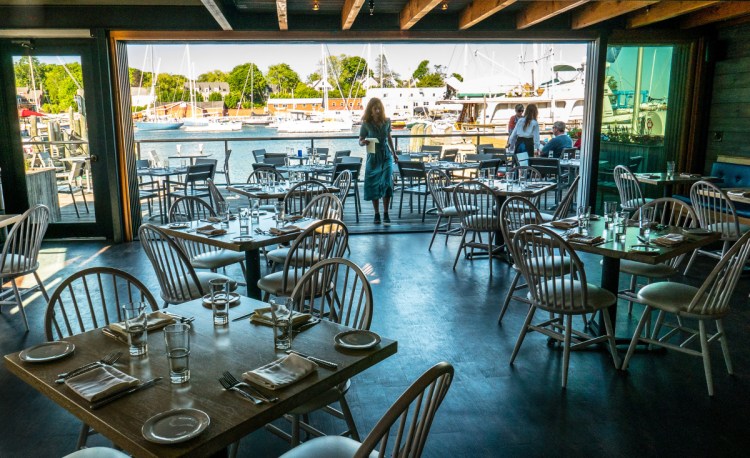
x,y
326,447
547,217
97,452
671,297
485,222
271,283
551,266
303,257
642,269
597,297
450,211
13,262
728,228
217,259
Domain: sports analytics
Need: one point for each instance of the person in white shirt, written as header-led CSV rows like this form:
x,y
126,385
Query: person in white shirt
x,y
525,136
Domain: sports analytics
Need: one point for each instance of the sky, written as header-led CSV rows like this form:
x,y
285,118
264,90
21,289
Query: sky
x,y
465,59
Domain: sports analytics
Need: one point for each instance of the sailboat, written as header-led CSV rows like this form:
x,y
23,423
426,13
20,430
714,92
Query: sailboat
x,y
152,121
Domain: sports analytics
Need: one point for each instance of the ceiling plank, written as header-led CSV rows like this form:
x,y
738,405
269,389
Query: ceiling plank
x,y
597,12
538,12
716,13
217,11
349,13
664,11
479,10
281,14
414,10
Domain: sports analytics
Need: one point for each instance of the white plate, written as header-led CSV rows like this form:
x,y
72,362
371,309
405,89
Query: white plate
x,y
644,249
175,426
243,238
234,299
356,340
696,231
179,225
48,351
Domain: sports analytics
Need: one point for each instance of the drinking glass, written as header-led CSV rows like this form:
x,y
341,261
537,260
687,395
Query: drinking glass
x,y
584,216
645,218
220,300
621,224
670,168
281,315
244,217
522,178
254,211
279,208
223,212
177,340
510,178
135,327
610,208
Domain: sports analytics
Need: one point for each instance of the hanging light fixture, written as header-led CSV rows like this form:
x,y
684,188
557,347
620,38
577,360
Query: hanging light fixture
x,y
444,6
316,5
372,7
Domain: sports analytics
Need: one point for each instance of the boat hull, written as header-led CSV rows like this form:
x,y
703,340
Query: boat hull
x,y
158,125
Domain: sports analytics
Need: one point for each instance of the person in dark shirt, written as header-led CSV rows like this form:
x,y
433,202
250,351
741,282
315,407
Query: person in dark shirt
x,y
561,140
514,119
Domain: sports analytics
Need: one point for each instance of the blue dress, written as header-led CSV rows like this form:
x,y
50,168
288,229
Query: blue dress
x,y
379,166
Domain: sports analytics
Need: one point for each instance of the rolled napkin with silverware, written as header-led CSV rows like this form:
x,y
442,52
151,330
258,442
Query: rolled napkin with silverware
x,y
669,240
739,193
100,382
284,230
282,372
690,175
263,316
210,230
575,237
566,223
154,320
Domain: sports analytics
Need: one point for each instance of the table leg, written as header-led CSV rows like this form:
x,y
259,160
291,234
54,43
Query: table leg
x,y
667,190
252,273
610,282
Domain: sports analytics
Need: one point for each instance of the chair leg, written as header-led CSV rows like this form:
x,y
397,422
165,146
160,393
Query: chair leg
x,y
508,297
458,253
448,229
349,419
690,262
41,286
489,251
706,357
85,204
232,449
295,430
724,346
434,232
401,203
633,285
73,197
636,337
83,435
611,337
20,303
566,350
524,330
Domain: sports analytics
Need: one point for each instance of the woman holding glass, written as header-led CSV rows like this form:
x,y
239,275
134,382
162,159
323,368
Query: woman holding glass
x,y
376,128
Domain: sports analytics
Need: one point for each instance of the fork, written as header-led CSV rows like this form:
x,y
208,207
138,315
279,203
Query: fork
x,y
229,387
108,360
236,383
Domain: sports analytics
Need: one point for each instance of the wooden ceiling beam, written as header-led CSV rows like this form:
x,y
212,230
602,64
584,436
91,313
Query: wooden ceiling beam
x,y
538,12
597,12
281,13
414,10
722,12
664,11
479,10
217,11
349,13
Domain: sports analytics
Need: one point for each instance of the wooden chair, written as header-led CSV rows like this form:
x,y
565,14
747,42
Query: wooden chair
x,y
178,280
557,284
216,196
301,194
261,175
412,414
259,155
196,182
70,185
414,183
321,240
710,302
89,299
20,255
337,290
437,181
716,213
631,196
477,205
563,207
353,168
343,182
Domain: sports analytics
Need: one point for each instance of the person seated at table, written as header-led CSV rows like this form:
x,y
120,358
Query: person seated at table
x,y
560,141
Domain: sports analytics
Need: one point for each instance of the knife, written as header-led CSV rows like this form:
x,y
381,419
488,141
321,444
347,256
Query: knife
x,y
320,362
120,394
109,333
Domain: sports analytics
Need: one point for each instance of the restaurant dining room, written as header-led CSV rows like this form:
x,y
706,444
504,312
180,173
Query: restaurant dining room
x,y
382,264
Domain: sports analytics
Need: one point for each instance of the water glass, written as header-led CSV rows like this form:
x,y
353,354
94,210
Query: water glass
x,y
510,178
522,178
254,211
220,300
177,339
281,315
244,217
610,208
645,218
621,224
135,326
584,216
279,208
670,168
223,212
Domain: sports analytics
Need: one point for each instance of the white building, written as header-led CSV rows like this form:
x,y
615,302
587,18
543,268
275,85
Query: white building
x,y
401,101
206,88
141,96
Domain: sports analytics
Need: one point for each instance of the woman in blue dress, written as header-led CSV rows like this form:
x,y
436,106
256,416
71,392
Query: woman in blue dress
x,y
379,165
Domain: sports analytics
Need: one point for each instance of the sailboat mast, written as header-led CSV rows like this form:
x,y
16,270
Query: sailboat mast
x,y
325,78
33,84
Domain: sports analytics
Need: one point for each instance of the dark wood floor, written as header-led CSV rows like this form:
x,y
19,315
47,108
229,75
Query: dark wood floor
x,y
658,408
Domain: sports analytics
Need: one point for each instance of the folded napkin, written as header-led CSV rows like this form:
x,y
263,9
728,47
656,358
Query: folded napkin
x,y
739,193
292,218
669,240
282,372
585,239
100,382
565,223
284,230
210,230
690,175
263,316
154,320
647,175
252,188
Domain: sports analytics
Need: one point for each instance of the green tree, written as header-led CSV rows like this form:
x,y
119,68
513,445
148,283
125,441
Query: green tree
x,y
422,69
170,88
60,88
23,72
214,76
283,78
304,91
245,86
382,72
215,97
139,78
458,77
312,78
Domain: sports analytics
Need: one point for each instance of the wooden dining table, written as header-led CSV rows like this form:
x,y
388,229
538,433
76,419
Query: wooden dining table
x,y
613,252
238,347
667,182
250,243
